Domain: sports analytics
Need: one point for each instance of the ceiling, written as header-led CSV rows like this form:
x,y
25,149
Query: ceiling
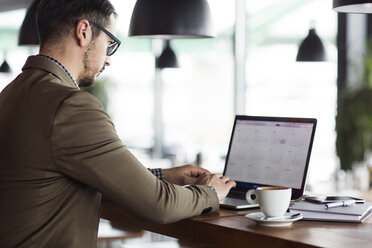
x,y
6,5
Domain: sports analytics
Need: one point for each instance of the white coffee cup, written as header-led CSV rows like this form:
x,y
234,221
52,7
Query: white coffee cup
x,y
273,201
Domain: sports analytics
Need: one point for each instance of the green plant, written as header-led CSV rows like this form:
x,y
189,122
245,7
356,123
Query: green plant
x,y
354,126
99,90
354,118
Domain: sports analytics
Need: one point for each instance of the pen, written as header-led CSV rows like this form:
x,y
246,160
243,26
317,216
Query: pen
x,y
340,204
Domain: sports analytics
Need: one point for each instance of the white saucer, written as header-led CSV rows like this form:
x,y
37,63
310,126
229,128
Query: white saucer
x,y
261,220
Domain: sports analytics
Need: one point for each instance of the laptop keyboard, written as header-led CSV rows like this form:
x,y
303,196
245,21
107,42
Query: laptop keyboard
x,y
238,194
234,201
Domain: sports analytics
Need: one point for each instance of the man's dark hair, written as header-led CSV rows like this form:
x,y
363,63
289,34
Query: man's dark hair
x,y
55,18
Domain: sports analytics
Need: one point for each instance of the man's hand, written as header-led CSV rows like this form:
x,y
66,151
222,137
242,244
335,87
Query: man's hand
x,y
186,174
222,184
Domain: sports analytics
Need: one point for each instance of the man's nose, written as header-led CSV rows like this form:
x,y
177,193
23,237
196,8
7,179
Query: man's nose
x,y
107,61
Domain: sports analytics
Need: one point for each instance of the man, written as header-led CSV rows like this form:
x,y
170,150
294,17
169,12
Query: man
x,y
59,149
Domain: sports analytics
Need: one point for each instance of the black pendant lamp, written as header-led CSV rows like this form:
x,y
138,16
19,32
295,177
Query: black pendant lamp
x,y
168,58
353,6
28,34
169,19
5,68
311,48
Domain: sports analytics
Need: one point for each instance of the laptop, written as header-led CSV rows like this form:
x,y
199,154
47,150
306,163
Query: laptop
x,y
268,151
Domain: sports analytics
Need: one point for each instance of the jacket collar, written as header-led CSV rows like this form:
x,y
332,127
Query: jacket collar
x,y
40,62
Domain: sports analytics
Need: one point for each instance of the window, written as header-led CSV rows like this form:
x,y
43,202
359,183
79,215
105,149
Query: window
x,y
277,85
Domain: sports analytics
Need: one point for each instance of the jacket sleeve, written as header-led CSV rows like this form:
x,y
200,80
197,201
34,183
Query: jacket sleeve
x,y
87,149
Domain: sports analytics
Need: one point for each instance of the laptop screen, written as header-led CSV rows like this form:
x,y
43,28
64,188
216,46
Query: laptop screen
x,y
270,151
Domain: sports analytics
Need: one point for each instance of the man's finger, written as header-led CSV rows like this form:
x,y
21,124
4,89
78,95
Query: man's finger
x,y
225,178
231,183
200,171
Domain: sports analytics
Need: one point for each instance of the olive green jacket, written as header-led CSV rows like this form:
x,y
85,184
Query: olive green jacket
x,y
58,152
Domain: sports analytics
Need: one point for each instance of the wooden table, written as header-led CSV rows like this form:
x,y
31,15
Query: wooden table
x,y
228,228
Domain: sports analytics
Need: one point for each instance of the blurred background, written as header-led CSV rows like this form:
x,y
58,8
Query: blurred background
x,y
174,116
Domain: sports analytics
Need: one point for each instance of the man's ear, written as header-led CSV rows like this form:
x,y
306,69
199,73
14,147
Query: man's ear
x,y
83,32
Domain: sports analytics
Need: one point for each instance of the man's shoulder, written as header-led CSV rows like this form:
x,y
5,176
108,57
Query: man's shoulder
x,y
82,99
50,88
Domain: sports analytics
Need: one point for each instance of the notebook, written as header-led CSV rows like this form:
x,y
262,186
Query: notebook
x,y
315,211
268,151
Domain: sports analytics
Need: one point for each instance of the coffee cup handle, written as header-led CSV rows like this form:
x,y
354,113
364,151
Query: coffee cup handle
x,y
251,196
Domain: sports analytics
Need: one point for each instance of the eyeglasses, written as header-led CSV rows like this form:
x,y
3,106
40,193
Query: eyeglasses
x,y
111,49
